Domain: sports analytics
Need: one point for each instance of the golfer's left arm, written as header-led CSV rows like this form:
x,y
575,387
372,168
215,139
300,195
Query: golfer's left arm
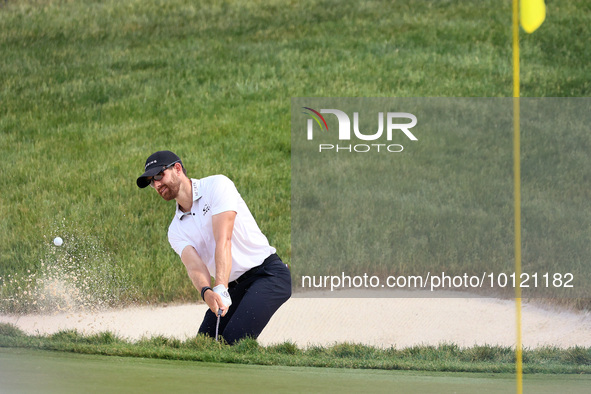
x,y
223,226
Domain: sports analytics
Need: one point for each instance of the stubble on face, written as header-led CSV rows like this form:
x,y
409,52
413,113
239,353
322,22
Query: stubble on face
x,y
169,189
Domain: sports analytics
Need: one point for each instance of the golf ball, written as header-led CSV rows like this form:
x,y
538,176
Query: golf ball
x,y
58,241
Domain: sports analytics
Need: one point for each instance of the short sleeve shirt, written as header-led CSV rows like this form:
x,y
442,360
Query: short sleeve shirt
x,y
213,195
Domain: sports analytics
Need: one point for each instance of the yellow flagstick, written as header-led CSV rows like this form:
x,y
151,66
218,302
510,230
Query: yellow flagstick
x,y
532,14
517,196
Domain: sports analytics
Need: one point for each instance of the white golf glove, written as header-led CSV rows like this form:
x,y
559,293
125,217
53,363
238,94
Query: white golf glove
x,y
223,292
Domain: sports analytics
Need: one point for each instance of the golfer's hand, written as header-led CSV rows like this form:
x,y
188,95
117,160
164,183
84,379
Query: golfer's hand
x,y
223,293
215,303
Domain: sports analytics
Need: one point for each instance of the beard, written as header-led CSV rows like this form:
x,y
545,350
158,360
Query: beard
x,y
170,191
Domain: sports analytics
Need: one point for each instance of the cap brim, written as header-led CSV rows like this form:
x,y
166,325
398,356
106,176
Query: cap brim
x,y
143,181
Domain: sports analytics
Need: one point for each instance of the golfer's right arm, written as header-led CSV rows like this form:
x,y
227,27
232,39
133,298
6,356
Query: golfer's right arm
x,y
200,277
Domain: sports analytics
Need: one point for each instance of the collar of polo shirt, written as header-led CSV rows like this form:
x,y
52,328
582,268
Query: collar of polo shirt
x,y
196,196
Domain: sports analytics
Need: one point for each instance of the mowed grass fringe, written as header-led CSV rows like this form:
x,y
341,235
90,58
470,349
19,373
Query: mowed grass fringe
x,y
442,358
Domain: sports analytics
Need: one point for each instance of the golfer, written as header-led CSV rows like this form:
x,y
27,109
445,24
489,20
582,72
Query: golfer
x,y
217,237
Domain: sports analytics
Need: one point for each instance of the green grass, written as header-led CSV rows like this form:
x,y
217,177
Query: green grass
x,y
58,372
446,203
88,89
442,358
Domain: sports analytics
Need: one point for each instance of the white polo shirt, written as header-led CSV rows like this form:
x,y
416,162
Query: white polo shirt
x,y
212,195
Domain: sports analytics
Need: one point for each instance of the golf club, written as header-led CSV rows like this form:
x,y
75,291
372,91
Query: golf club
x,y
217,325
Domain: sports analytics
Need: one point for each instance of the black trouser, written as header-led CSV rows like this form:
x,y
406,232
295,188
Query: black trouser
x,y
256,295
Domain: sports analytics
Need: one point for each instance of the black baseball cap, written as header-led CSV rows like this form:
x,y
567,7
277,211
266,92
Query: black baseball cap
x,y
155,164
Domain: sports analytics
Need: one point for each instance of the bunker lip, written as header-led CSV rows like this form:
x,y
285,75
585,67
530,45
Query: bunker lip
x,y
390,322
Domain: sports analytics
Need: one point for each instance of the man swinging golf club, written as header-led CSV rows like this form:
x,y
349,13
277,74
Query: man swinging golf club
x,y
217,237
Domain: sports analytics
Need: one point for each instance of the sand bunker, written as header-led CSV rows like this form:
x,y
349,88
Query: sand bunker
x,y
382,322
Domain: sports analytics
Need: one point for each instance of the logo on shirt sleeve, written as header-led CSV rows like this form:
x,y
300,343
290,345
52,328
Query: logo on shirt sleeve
x,y
206,209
